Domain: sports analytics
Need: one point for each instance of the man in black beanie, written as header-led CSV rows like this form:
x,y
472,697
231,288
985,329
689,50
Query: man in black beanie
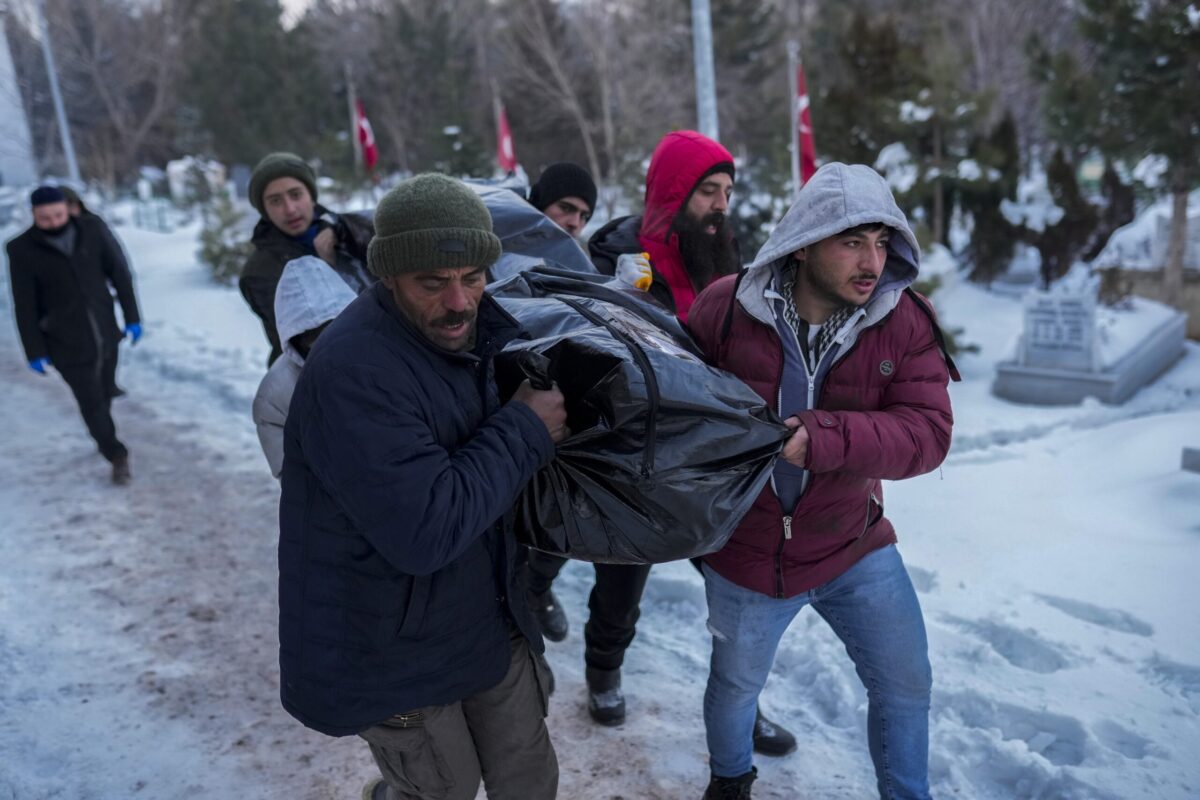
x,y
283,189
61,271
400,616
565,193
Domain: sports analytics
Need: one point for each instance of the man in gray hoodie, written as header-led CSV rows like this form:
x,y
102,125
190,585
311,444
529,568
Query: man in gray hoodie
x,y
823,325
309,295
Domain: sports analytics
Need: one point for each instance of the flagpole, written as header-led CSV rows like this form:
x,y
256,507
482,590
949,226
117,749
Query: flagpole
x,y
706,81
793,139
352,105
56,95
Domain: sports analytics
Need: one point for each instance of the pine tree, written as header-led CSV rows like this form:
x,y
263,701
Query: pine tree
x,y
255,87
1148,57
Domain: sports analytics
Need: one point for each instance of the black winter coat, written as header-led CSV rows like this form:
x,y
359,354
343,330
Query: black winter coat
x,y
396,555
273,249
63,305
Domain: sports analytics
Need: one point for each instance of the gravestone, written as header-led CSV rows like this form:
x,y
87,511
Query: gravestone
x,y
1060,332
1058,359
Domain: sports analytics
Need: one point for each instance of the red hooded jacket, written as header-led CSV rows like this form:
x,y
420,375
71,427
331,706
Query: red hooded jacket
x,y
678,163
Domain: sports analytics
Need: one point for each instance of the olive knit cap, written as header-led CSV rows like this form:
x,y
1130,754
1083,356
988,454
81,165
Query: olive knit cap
x,y
431,222
280,165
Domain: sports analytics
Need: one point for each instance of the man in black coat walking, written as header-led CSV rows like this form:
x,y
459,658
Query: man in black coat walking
x,y
283,189
61,270
401,618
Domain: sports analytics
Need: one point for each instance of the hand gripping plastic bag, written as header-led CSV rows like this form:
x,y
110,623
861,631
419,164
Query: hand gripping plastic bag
x,y
666,454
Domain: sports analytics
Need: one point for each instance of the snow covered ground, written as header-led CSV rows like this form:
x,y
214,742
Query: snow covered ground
x,y
1055,555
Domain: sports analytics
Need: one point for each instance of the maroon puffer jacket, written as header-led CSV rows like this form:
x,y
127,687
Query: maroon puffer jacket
x,y
883,413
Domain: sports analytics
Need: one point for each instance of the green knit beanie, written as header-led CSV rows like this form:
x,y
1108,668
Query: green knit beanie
x,y
431,222
280,165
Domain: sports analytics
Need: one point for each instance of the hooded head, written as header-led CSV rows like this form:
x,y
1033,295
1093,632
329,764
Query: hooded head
x,y
837,198
680,161
309,295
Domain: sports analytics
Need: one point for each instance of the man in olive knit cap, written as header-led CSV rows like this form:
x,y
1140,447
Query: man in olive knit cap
x,y
401,619
283,188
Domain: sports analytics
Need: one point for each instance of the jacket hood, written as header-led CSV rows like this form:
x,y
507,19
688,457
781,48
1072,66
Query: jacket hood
x,y
679,161
837,197
309,294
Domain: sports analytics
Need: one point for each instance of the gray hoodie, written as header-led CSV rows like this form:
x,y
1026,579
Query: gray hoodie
x,y
836,198
309,294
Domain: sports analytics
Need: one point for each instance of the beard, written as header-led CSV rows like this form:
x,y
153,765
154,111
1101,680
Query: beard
x,y
706,256
56,232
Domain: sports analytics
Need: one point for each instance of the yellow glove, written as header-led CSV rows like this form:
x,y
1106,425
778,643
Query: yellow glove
x,y
633,269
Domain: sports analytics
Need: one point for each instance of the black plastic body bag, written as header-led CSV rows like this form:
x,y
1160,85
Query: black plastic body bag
x,y
665,455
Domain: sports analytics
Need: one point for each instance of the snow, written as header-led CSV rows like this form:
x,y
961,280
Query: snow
x,y
896,165
1142,243
1150,170
969,170
912,112
1034,207
1054,554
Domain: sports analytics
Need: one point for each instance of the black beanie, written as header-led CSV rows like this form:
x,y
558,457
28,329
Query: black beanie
x,y
280,165
431,222
44,195
560,180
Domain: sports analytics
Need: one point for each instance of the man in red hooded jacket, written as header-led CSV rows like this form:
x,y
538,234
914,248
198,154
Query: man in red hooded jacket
x,y
685,226
686,232
823,325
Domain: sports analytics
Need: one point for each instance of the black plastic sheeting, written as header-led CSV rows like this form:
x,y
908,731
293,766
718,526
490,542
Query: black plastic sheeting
x,y
666,454
528,238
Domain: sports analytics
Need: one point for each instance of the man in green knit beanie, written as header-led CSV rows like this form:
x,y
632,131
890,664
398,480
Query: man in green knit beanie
x,y
283,189
402,618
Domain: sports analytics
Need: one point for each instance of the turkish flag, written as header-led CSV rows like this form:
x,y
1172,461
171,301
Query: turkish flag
x,y
366,136
506,156
805,146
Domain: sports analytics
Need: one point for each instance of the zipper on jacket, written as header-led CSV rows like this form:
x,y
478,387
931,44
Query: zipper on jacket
x,y
787,534
871,499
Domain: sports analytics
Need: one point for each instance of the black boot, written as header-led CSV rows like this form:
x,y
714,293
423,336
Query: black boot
x,y
606,703
771,739
120,470
549,615
731,788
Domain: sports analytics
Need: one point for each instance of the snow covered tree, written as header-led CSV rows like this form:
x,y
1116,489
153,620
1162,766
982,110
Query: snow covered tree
x,y
1148,57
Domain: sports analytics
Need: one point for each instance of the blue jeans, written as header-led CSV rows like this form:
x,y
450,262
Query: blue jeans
x,y
874,611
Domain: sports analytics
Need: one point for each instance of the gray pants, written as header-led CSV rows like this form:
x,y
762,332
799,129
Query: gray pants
x,y
498,735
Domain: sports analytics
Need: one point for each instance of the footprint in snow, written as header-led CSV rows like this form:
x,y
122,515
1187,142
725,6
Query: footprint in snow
x,y
923,580
1176,678
1023,649
1112,618
1059,739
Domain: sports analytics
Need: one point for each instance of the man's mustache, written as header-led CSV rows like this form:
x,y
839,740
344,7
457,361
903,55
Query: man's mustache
x,y
453,318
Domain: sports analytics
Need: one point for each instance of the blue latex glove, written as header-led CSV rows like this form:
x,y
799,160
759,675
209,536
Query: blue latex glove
x,y
39,365
134,331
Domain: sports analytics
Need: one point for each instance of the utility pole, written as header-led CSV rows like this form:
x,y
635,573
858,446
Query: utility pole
x,y
706,81
63,128
352,105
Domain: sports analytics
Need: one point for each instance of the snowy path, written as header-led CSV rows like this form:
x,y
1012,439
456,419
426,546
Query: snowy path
x,y
1054,555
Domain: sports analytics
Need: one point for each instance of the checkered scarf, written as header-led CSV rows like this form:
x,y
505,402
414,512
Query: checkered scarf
x,y
791,316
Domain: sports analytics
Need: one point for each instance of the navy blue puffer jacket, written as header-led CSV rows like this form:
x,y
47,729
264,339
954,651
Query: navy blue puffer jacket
x,y
396,554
